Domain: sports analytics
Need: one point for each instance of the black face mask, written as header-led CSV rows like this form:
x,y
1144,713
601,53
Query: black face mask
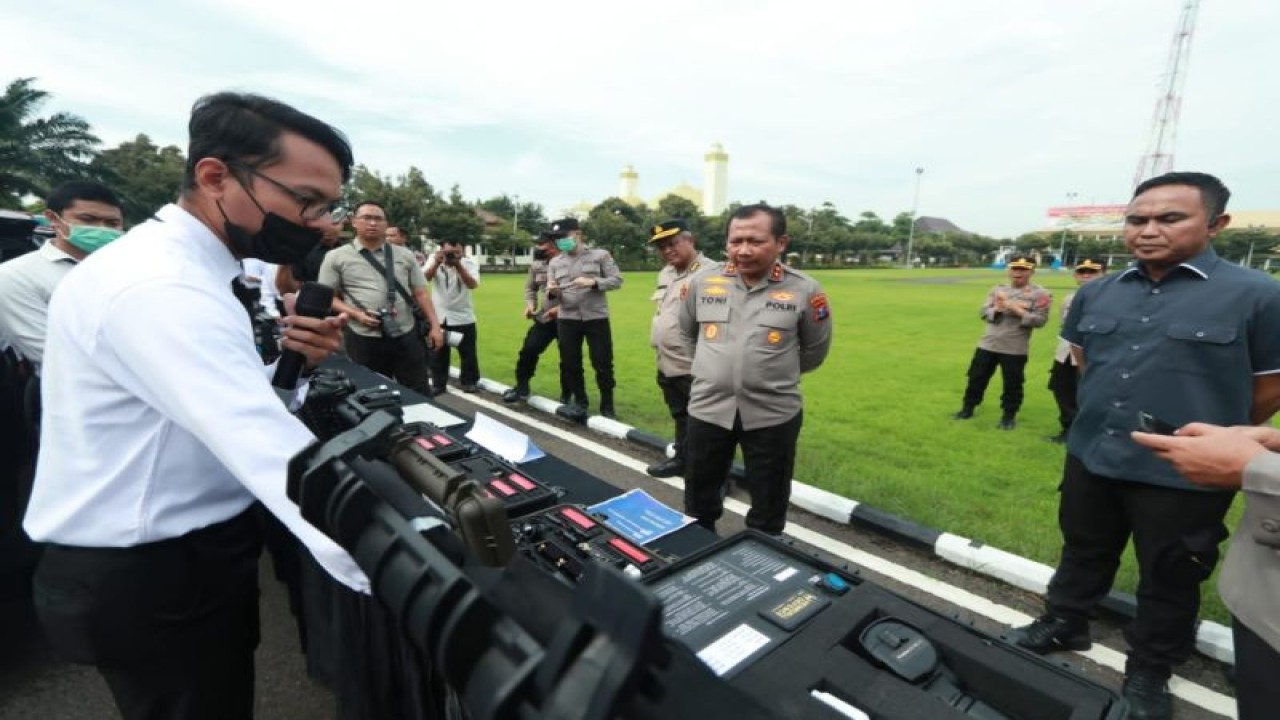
x,y
540,254
279,241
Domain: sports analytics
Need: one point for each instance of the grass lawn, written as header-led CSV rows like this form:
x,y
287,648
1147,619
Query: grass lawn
x,y
877,413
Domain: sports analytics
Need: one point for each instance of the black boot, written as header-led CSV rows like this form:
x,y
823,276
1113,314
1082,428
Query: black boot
x,y
964,413
666,468
1007,422
606,404
519,393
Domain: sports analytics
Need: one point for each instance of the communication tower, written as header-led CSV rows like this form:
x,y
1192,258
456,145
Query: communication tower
x,y
1164,125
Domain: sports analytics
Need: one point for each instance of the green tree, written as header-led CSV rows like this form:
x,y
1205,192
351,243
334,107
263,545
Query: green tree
x,y
407,198
620,228
454,219
145,176
37,154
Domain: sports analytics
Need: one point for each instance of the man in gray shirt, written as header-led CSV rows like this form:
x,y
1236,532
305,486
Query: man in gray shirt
x,y
1011,311
382,335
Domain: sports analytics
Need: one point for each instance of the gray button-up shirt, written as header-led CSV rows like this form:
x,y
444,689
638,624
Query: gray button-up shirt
x,y
1184,349
674,359
1007,332
585,303
365,287
535,290
750,345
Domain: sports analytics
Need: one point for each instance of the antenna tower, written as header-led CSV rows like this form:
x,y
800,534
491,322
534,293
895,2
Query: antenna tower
x,y
1164,124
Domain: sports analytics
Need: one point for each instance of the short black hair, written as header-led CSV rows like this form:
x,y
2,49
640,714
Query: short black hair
x,y
1213,193
245,128
61,197
777,219
355,209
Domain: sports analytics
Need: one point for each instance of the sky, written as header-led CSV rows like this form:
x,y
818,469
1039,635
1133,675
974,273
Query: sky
x,y
1007,105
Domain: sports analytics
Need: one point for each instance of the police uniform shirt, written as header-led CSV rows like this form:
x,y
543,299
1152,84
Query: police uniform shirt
x,y
588,303
26,284
451,296
1062,353
535,290
159,418
1184,349
364,286
750,345
1007,332
664,332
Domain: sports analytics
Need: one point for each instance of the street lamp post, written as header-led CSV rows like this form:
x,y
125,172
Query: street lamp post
x,y
1066,224
915,204
515,216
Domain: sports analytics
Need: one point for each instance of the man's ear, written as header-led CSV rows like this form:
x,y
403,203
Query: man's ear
x,y
211,176
1219,224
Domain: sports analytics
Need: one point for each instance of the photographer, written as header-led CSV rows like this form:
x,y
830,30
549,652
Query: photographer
x,y
453,276
373,283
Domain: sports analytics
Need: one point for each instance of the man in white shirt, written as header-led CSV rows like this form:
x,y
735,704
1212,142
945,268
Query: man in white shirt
x,y
84,216
453,276
162,431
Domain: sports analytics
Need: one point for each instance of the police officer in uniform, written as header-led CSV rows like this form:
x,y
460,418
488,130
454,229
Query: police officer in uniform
x,y
581,276
1011,312
1064,374
678,249
542,308
752,327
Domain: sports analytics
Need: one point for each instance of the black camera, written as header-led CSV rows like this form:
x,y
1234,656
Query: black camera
x,y
385,317
451,257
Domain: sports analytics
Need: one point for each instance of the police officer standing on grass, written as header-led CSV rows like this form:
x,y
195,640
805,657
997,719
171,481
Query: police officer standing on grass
x,y
1182,335
752,327
581,276
1064,374
541,308
1011,311
678,249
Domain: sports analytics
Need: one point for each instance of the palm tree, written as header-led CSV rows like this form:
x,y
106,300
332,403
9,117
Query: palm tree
x,y
38,153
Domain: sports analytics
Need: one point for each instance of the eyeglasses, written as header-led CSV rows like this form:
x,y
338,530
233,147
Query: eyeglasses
x,y
312,207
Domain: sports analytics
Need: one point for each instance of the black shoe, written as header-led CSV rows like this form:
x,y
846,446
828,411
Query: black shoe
x,y
1147,690
1050,633
469,388
572,412
1007,423
666,468
1060,438
438,390
963,414
608,411
519,393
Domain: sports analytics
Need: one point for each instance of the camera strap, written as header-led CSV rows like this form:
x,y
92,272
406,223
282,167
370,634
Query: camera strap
x,y
393,285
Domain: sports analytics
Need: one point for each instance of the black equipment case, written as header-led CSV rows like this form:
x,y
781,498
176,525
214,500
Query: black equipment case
x,y
786,628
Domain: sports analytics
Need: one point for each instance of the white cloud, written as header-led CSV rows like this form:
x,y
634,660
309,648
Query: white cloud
x,y
1007,105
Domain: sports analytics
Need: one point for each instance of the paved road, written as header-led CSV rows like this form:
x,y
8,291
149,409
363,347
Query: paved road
x,y
35,686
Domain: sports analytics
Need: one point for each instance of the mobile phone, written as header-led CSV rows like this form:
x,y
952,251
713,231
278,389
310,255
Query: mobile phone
x,y
1149,423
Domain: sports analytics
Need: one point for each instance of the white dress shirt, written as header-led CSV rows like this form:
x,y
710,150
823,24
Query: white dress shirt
x,y
26,284
158,415
451,296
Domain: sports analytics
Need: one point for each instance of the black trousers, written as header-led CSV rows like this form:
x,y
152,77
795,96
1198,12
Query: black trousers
x,y
1175,538
470,370
599,343
1257,665
170,625
769,459
1012,372
403,359
536,341
1064,379
675,392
